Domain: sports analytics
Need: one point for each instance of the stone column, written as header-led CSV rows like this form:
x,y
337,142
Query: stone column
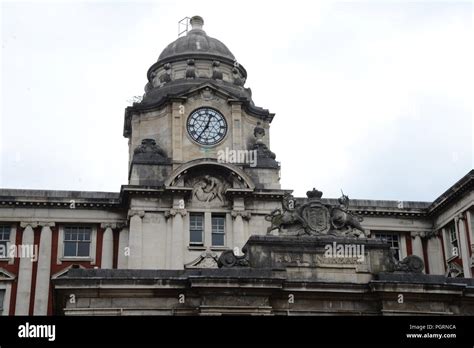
x,y
238,228
177,237
463,245
43,274
418,245
122,257
107,246
435,254
25,272
135,239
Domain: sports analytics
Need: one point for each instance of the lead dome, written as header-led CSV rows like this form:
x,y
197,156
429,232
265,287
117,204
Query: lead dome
x,y
196,42
192,61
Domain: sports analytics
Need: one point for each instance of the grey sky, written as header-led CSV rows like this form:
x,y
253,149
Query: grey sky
x,y
375,98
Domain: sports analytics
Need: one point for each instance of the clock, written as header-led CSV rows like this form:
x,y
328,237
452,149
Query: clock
x,y
206,126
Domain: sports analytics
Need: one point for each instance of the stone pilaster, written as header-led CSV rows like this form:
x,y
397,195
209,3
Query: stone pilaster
x,y
135,239
463,244
123,254
236,109
417,244
435,253
108,246
177,130
471,234
177,238
238,227
25,272
43,274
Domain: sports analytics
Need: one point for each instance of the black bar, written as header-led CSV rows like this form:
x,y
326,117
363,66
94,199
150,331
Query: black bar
x,y
291,331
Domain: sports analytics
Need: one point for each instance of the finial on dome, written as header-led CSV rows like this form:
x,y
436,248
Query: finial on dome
x,y
196,22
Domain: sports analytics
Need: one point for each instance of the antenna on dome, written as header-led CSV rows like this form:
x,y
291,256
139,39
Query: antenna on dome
x,y
183,26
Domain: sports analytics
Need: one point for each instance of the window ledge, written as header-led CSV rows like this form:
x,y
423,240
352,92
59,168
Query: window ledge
x,y
203,248
76,258
219,248
196,247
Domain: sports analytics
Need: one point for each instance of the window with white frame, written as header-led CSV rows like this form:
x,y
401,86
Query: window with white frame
x,y
218,230
196,229
4,239
452,238
391,237
77,241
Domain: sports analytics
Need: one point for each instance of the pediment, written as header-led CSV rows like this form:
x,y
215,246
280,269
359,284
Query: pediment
x,y
64,271
207,259
208,91
5,275
233,175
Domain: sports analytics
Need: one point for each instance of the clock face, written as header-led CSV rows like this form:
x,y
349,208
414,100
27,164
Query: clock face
x,y
206,126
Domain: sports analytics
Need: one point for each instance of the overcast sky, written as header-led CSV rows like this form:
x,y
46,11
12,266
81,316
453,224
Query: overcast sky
x,y
375,98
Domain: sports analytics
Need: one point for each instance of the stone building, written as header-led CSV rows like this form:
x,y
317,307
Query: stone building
x,y
204,183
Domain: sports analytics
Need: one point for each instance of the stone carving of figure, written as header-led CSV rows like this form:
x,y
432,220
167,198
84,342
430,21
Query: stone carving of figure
x,y
264,155
155,81
259,133
216,73
343,201
288,216
166,77
237,79
190,70
209,188
344,220
148,87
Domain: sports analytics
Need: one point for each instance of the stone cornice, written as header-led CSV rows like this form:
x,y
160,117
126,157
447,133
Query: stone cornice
x,y
395,213
464,185
16,202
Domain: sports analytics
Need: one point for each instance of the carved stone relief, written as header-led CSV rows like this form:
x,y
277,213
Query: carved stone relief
x,y
208,188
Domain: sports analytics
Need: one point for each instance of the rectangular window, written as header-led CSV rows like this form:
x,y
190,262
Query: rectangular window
x,y
2,296
452,247
196,229
4,238
218,230
77,241
393,239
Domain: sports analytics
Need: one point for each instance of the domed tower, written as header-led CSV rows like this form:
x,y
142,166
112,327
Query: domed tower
x,y
201,173
196,106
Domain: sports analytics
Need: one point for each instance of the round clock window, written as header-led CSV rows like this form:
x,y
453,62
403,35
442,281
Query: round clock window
x,y
206,126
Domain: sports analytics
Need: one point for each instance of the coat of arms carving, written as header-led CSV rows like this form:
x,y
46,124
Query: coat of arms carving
x,y
314,218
